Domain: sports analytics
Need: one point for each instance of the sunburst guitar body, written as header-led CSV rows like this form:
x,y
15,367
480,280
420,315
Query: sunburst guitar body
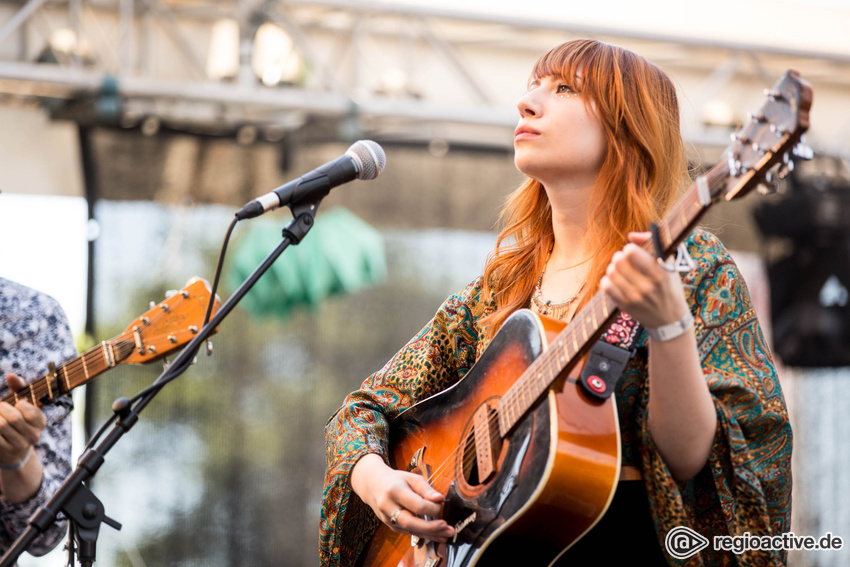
x,y
547,482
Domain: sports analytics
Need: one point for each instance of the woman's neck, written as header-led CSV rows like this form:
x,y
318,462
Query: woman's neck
x,y
569,225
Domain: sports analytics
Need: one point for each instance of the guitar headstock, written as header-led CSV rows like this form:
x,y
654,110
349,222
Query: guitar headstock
x,y
767,139
171,324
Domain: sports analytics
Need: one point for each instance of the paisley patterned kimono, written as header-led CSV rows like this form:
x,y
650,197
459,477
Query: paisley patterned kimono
x,y
744,487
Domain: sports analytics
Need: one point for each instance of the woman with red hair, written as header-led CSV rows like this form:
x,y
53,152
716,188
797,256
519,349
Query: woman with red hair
x,y
705,439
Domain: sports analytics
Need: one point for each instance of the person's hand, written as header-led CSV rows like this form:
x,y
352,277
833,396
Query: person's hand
x,y
20,425
642,288
400,499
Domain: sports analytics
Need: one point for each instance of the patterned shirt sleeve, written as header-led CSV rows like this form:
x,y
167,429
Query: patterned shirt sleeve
x,y
746,484
437,357
34,332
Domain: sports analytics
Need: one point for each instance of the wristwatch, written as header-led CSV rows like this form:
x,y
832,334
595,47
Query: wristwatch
x,y
671,330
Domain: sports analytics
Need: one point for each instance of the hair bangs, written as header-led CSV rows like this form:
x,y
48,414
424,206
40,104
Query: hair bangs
x,y
581,64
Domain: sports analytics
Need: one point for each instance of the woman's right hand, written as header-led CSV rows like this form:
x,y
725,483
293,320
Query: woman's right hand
x,y
400,499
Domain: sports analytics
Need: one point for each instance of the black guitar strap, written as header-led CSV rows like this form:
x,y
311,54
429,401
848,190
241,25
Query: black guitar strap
x,y
609,356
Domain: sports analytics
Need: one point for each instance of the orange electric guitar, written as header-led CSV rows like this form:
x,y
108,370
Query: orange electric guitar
x,y
529,462
160,331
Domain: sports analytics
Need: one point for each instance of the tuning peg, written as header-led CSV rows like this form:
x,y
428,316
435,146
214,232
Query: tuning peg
x,y
803,151
773,94
170,293
740,138
209,348
759,149
734,165
788,160
786,168
769,185
778,130
756,118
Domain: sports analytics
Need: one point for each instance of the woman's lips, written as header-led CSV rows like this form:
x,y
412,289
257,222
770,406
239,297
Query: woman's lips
x,y
525,133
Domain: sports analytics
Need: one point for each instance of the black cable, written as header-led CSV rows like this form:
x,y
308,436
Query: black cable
x,y
158,386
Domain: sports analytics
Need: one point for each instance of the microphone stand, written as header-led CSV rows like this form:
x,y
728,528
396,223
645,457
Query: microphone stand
x,y
84,511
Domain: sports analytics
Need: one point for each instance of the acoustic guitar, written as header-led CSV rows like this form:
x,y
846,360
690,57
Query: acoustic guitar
x,y
157,333
527,460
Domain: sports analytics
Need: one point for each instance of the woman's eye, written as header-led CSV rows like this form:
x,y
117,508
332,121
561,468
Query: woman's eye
x,y
564,89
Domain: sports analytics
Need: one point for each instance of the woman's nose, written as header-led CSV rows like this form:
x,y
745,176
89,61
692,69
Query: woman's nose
x,y
527,106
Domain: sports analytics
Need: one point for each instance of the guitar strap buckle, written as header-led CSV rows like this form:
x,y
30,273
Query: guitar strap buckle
x,y
609,357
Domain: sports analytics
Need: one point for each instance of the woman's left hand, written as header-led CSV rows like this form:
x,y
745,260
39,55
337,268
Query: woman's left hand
x,y
682,418
641,287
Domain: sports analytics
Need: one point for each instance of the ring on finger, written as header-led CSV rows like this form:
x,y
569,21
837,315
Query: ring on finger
x,y
394,515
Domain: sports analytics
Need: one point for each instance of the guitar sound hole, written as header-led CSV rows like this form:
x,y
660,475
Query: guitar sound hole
x,y
469,457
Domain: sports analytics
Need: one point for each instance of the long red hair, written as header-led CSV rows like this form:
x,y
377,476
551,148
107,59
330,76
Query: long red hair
x,y
643,171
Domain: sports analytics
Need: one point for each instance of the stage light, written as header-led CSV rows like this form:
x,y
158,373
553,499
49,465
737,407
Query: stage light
x,y
223,55
274,59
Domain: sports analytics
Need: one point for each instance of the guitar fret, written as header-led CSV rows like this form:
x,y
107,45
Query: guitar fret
x,y
65,372
85,367
32,396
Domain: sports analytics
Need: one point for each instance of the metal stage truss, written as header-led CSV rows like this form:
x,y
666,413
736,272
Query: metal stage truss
x,y
259,69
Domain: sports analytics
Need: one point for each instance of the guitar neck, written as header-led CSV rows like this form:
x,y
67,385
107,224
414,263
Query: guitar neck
x,y
589,323
161,330
73,373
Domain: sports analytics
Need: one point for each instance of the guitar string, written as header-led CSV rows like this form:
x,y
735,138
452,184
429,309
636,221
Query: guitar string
x,y
677,220
526,386
39,388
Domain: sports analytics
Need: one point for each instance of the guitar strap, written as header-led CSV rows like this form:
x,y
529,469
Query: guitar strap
x,y
609,356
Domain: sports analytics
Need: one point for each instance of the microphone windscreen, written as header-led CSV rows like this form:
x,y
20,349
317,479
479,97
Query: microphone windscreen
x,y
370,157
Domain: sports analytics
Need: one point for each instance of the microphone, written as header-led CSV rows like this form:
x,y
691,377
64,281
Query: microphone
x,y
365,159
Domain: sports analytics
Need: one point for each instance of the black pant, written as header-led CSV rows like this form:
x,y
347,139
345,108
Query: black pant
x,y
624,536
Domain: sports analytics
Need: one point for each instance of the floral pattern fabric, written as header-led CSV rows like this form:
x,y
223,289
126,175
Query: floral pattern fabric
x,y
34,332
744,487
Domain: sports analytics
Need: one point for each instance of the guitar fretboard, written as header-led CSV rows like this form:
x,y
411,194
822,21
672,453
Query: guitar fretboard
x,y
73,373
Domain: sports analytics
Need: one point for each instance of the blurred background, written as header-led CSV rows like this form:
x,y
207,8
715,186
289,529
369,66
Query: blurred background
x,y
132,130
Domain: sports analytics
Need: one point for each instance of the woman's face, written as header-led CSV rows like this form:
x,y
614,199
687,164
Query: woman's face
x,y
559,137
